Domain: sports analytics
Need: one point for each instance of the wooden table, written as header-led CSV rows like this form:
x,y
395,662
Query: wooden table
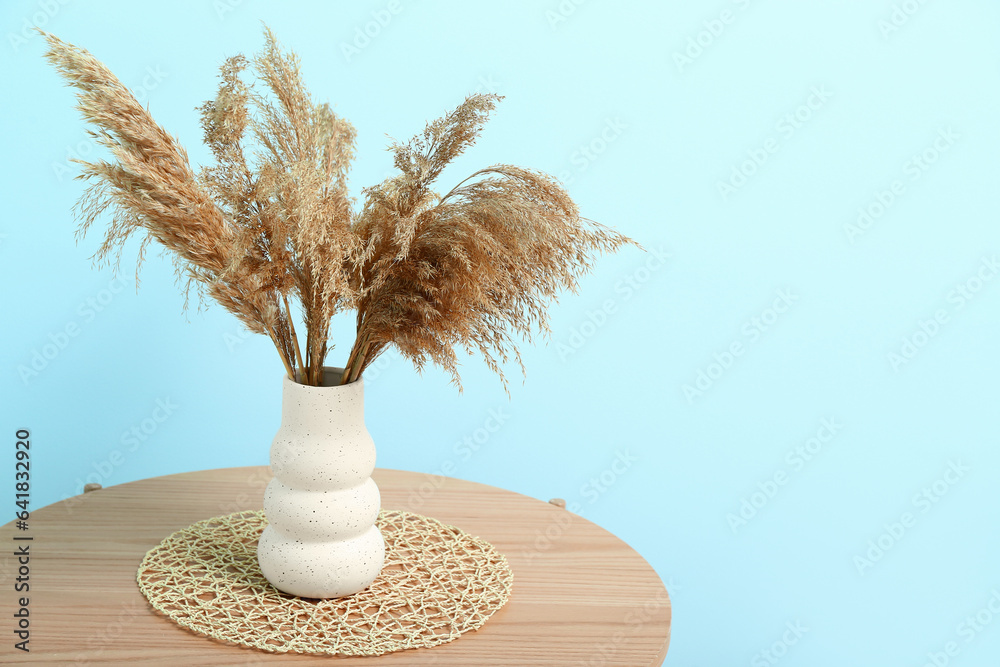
x,y
581,596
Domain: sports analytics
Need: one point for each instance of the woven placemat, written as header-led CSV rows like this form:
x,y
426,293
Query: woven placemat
x,y
438,582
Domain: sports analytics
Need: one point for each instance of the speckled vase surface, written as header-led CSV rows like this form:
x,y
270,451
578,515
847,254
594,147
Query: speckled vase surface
x,y
321,540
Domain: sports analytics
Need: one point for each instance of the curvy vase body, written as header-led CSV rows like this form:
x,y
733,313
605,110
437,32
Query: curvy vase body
x,y
321,540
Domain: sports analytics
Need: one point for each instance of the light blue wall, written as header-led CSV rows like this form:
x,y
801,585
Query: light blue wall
x,y
888,95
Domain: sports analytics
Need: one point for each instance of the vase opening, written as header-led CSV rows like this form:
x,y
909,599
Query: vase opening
x,y
330,378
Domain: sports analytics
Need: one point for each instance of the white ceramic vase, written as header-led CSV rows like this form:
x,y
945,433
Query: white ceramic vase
x,y
321,540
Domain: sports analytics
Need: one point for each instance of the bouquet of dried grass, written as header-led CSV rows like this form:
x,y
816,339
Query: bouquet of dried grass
x,y
272,222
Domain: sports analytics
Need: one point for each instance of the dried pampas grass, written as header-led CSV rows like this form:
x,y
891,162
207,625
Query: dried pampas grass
x,y
272,223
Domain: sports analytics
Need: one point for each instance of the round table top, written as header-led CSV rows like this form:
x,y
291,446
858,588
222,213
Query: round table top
x,y
580,596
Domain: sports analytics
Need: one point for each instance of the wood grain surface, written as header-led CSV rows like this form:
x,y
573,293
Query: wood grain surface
x,y
581,596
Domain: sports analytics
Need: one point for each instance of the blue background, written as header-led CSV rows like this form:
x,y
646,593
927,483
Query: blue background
x,y
811,113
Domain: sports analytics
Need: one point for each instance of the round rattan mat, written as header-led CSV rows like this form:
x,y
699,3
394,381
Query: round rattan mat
x,y
438,582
